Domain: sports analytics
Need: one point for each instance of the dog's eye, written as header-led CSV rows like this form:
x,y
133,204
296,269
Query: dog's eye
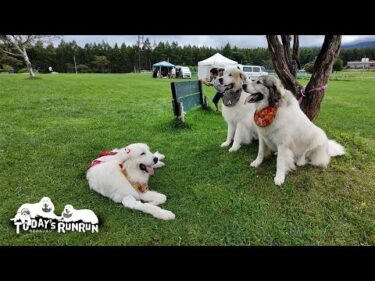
x,y
143,153
258,82
230,75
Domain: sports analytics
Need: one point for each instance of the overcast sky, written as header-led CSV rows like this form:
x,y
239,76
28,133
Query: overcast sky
x,y
242,41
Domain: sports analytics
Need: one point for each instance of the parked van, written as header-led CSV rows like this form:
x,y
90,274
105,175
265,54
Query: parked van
x,y
183,72
253,71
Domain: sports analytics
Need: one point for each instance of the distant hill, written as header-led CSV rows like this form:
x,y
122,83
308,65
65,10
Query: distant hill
x,y
352,45
363,44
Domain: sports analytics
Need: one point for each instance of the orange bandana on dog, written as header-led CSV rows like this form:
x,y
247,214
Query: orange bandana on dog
x,y
265,117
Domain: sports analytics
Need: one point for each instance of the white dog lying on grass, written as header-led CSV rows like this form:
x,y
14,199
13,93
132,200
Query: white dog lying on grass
x,y
122,175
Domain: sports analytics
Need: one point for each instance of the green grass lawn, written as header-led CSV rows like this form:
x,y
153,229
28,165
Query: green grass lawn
x,y
51,128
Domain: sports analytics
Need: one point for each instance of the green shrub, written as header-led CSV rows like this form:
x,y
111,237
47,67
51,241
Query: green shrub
x,y
82,68
22,70
6,68
309,67
338,65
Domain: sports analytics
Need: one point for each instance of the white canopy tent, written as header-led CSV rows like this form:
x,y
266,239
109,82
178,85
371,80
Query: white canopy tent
x,y
217,60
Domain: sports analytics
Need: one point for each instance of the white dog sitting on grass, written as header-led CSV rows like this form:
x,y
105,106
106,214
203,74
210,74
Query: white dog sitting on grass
x,y
122,175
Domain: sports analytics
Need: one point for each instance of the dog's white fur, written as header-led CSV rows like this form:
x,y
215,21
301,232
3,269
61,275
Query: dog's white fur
x,y
108,180
241,127
73,215
44,208
295,138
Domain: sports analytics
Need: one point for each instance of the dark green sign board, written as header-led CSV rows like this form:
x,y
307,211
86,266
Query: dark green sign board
x,y
188,94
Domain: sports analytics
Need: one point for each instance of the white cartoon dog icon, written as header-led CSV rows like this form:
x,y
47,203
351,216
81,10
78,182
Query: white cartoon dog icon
x,y
44,208
23,216
72,215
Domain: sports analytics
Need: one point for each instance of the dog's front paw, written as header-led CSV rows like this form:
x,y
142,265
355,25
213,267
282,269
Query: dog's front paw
x,y
159,200
225,144
165,215
279,180
159,155
255,163
234,148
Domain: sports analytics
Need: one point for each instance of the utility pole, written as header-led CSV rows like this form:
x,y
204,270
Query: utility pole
x,y
140,43
75,64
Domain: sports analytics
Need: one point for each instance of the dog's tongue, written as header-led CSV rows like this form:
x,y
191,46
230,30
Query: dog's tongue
x,y
150,170
249,98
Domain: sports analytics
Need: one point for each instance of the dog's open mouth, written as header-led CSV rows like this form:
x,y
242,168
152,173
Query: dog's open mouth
x,y
46,209
147,168
228,87
254,98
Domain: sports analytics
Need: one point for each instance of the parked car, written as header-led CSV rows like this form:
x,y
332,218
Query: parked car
x,y
253,71
183,72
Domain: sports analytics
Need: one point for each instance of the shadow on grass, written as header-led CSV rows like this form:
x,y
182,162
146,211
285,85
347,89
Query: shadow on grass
x,y
28,78
177,124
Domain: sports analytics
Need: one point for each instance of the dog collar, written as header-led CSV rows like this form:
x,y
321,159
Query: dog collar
x,y
265,116
141,187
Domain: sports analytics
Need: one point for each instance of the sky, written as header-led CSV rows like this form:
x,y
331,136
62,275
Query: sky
x,y
241,41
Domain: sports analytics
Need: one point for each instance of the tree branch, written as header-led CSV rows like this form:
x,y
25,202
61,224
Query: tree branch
x,y
280,62
13,54
296,51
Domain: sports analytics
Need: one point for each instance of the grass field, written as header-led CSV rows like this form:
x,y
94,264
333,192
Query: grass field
x,y
51,128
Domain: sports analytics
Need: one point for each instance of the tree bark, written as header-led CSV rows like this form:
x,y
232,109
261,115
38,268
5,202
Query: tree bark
x,y
286,66
322,70
28,63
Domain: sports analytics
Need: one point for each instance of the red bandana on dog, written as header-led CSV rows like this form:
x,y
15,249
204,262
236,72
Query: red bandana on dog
x,y
265,117
141,187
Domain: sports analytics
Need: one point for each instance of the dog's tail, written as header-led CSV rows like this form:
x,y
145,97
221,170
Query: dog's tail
x,y
335,149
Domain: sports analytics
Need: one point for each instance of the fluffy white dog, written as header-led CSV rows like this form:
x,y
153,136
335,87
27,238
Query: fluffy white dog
x,y
237,113
44,208
73,215
122,175
283,127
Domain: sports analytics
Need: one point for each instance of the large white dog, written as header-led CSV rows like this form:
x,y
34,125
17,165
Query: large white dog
x,y
283,127
122,175
237,113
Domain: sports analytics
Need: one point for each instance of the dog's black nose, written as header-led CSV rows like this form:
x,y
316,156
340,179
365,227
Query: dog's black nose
x,y
244,86
156,160
221,80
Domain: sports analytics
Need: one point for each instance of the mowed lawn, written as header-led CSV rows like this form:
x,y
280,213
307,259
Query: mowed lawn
x,y
51,128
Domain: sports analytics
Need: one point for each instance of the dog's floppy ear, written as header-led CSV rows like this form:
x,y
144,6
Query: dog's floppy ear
x,y
125,153
274,90
243,76
274,96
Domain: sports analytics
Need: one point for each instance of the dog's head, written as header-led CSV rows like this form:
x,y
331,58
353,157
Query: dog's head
x,y
25,212
68,211
47,205
232,80
265,91
140,157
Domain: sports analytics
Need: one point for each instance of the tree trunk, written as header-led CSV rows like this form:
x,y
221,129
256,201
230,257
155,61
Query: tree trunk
x,y
28,63
322,70
281,61
286,67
